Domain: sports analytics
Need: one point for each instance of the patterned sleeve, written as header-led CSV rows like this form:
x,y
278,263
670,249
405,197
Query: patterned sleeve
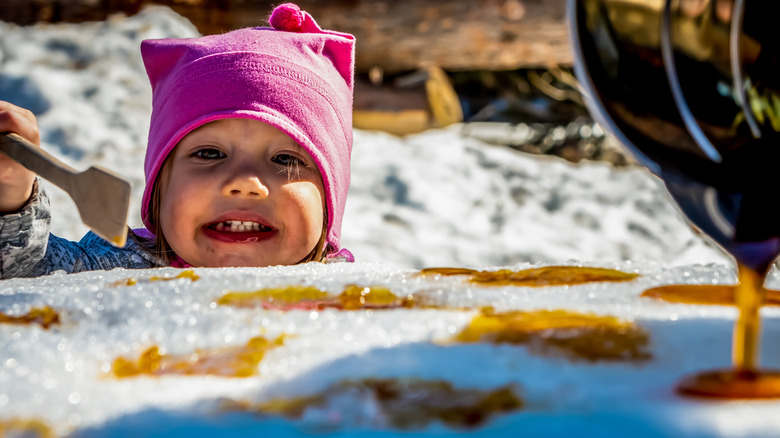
x,y
27,249
24,235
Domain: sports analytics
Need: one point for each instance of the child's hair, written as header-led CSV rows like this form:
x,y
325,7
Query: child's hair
x,y
293,76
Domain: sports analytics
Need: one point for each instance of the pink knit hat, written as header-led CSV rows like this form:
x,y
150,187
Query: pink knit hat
x,y
294,76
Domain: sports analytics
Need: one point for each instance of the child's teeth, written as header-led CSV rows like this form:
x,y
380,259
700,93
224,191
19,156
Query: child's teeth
x,y
238,226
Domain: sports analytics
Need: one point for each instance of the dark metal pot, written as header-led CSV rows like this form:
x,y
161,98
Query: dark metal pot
x,y
692,89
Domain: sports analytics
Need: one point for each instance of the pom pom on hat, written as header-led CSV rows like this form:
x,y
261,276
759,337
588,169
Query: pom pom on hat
x,y
287,16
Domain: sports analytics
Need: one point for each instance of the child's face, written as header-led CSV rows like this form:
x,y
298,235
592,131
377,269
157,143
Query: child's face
x,y
241,193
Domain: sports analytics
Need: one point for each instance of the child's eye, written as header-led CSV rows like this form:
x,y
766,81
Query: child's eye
x,y
288,160
209,154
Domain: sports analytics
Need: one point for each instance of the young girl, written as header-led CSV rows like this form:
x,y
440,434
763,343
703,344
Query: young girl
x,y
247,162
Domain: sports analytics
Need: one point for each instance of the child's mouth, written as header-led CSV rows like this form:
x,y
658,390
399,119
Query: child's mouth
x,y
235,231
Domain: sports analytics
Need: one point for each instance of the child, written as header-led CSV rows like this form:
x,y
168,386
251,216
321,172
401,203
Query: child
x,y
247,162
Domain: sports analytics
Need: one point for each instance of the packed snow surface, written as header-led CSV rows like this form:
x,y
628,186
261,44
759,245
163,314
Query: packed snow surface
x,y
440,198
62,375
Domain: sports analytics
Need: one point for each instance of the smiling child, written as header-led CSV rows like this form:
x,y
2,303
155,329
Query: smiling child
x,y
247,162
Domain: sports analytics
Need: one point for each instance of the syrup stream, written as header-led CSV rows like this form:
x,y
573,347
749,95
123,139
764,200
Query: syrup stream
x,y
745,380
749,297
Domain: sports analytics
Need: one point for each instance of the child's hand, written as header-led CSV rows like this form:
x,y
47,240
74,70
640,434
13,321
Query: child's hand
x,y
16,181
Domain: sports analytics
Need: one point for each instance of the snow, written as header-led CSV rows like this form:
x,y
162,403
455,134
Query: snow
x,y
439,198
59,374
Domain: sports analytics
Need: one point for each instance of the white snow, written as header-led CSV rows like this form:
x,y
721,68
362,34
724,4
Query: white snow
x,y
439,198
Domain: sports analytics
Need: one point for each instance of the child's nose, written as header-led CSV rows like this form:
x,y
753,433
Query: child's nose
x,y
246,186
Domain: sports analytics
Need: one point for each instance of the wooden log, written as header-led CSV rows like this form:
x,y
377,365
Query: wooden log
x,y
392,35
460,35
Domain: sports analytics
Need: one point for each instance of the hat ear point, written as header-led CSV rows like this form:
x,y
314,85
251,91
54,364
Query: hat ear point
x,y
287,17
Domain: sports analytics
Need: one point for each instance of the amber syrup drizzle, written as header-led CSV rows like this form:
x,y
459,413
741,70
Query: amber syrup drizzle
x,y
43,316
536,277
745,379
240,361
132,281
299,297
577,336
704,294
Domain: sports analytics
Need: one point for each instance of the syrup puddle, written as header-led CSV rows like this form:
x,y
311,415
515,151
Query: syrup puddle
x,y
187,273
576,336
43,316
745,380
297,297
536,277
240,361
401,403
25,428
716,295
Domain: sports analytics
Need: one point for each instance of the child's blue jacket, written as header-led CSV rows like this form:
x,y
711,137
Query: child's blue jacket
x,y
28,249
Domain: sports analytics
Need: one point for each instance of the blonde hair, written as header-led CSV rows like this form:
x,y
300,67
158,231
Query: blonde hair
x,y
163,251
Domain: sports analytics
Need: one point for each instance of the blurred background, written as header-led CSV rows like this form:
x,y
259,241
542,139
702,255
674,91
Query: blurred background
x,y
472,144
420,65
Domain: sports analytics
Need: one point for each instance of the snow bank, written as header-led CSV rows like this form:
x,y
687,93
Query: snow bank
x,y
441,198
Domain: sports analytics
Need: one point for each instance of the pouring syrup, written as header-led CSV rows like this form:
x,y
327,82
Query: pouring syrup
x,y
745,380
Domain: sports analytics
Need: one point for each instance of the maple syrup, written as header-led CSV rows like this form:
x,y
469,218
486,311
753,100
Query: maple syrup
x,y
229,362
732,383
375,297
282,297
554,332
187,273
404,403
353,297
537,277
745,379
704,294
132,281
447,272
29,428
43,316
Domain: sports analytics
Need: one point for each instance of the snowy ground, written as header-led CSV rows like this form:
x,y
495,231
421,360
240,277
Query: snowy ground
x,y
59,375
440,198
